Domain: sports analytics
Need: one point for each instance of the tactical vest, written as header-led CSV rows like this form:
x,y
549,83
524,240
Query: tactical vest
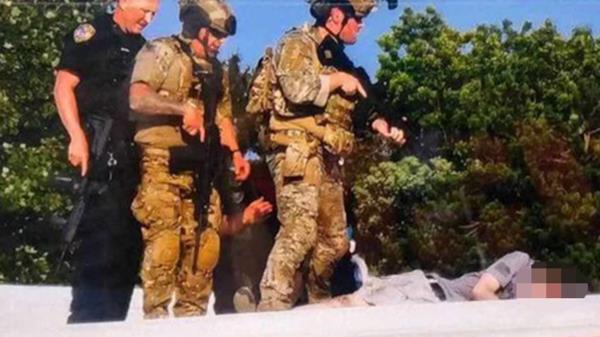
x,y
260,95
331,124
339,108
180,85
338,111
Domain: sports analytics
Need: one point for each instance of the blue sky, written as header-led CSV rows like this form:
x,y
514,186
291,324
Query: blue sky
x,y
262,22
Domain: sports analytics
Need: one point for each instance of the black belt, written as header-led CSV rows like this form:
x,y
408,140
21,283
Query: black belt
x,y
436,288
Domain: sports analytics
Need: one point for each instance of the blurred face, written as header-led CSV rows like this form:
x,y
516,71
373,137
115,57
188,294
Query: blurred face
x,y
137,14
549,283
350,31
210,41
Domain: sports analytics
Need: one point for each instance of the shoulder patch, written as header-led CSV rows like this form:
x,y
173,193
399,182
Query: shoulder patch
x,y
84,32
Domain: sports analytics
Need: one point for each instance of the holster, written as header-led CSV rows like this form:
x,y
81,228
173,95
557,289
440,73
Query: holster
x,y
126,154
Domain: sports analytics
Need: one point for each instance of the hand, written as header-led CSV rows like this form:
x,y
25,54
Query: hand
x,y
350,85
241,166
383,128
193,120
254,213
79,153
257,211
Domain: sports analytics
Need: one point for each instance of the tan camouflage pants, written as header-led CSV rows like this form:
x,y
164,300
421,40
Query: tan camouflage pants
x,y
313,227
164,206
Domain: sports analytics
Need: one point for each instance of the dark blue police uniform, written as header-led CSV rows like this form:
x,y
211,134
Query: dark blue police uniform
x,y
106,260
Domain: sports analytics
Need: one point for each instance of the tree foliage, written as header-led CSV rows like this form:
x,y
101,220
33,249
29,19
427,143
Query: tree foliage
x,y
513,115
503,154
32,142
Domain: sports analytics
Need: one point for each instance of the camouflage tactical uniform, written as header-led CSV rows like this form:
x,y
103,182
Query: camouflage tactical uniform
x,y
306,163
164,203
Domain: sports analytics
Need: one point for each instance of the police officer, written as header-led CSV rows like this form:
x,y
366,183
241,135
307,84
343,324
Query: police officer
x,y
309,134
174,81
91,79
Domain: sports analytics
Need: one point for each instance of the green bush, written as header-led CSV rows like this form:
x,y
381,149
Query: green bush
x,y
31,138
503,154
514,119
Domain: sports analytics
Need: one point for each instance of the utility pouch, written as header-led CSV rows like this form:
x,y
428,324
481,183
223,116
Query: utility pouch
x,y
296,158
338,140
260,100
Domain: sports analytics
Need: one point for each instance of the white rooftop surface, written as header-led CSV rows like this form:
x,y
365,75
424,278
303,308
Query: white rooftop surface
x,y
42,311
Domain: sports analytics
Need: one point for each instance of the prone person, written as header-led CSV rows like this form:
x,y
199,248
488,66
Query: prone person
x,y
515,275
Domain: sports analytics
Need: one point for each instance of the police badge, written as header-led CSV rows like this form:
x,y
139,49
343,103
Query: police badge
x,y
83,33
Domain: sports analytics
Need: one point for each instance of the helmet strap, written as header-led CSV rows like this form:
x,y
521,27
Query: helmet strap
x,y
347,17
204,42
336,36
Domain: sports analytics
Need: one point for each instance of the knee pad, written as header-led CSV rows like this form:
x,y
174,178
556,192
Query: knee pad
x,y
160,262
165,250
208,254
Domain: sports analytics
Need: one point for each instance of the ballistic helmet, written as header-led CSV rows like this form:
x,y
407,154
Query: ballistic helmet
x,y
319,9
213,14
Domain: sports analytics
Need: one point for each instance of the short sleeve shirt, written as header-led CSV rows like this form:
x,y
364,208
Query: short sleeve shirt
x,y
94,47
153,63
168,70
162,67
101,55
503,270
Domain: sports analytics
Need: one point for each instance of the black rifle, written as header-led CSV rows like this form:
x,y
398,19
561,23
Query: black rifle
x,y
209,161
210,164
331,53
201,159
99,130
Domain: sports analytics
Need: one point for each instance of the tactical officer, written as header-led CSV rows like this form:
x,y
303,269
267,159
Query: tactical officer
x,y
179,87
91,82
310,104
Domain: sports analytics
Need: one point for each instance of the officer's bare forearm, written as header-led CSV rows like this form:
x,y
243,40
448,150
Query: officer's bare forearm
x,y
228,135
66,103
144,100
